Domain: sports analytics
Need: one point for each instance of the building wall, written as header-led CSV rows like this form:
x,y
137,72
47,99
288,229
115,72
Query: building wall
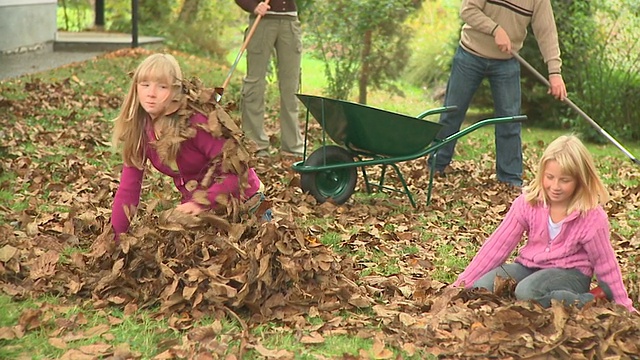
x,y
27,25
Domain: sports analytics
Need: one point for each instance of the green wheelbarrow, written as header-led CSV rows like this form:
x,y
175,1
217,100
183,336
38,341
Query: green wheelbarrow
x,y
366,136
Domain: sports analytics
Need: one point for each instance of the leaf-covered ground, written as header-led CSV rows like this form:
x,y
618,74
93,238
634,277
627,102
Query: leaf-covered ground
x,y
374,267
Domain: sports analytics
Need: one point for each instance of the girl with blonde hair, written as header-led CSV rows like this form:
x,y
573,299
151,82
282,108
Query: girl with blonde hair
x,y
164,120
568,239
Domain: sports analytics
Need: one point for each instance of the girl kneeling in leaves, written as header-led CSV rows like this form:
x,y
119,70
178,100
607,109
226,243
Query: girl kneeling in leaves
x,y
568,235
166,121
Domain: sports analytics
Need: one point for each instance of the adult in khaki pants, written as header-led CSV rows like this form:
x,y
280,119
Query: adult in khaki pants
x,y
279,29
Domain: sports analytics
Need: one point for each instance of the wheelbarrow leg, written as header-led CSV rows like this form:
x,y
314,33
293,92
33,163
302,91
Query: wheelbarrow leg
x,y
380,186
431,173
382,174
404,184
366,180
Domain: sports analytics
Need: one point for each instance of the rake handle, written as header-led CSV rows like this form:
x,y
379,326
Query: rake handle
x,y
575,107
242,49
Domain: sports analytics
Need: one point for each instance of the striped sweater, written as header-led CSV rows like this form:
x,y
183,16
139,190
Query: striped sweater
x,y
482,17
583,244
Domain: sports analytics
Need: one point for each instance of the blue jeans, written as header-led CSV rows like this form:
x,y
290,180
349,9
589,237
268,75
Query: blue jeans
x,y
257,200
467,73
569,286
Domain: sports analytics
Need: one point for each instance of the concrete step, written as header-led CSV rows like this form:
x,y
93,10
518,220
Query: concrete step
x,y
69,47
100,41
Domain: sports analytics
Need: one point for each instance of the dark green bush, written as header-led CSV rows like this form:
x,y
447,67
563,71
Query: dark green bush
x,y
599,41
599,44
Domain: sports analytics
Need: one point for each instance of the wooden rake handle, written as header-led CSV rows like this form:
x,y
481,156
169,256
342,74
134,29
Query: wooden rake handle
x,y
242,49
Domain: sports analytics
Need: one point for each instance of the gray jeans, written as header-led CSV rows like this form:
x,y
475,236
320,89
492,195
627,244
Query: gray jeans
x,y
569,286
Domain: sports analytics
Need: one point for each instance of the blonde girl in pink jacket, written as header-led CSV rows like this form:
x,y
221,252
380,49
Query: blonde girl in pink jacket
x,y
567,235
160,125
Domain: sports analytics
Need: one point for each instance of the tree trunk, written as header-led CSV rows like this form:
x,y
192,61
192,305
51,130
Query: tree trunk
x,y
363,81
189,10
98,6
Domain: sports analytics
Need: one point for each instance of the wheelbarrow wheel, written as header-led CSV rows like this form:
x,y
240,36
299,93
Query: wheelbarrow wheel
x,y
335,184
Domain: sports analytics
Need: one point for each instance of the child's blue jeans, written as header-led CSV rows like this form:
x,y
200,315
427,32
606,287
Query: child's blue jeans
x,y
267,215
569,286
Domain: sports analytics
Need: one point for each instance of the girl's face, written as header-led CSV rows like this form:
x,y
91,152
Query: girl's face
x,y
154,96
558,185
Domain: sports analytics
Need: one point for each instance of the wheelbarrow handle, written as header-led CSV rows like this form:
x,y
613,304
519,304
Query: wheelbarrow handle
x,y
475,126
517,118
440,110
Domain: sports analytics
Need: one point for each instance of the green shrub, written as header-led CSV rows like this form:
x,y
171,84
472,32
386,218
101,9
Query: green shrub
x,y
74,15
436,30
201,33
604,73
599,44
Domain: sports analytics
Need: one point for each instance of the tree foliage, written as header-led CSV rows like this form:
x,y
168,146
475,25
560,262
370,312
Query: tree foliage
x,y
436,29
74,15
600,46
193,26
362,42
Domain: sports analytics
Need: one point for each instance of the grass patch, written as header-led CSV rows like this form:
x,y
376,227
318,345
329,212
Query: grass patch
x,y
140,331
145,334
449,264
332,240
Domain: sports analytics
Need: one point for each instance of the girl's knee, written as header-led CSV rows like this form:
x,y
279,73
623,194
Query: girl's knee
x,y
523,292
483,283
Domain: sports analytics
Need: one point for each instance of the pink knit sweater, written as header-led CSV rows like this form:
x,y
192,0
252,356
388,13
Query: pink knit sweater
x,y
583,244
193,161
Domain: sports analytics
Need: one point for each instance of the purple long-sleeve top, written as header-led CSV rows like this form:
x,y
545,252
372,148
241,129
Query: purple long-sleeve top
x,y
193,161
583,244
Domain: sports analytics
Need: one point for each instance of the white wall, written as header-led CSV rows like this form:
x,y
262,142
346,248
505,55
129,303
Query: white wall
x,y
25,2
27,25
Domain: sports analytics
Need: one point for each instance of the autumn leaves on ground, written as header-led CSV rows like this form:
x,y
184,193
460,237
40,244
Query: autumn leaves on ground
x,y
373,268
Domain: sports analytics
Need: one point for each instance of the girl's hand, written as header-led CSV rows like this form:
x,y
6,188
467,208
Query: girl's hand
x,y
189,208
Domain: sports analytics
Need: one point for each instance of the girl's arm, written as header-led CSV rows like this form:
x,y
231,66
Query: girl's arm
x,y
498,247
127,196
603,258
223,183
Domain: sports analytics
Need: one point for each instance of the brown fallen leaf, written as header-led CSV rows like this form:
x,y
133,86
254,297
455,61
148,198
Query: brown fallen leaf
x,y
312,338
7,333
58,343
7,252
273,354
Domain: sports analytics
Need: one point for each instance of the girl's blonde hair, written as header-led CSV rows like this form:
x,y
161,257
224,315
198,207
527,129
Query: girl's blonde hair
x,y
130,124
576,161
